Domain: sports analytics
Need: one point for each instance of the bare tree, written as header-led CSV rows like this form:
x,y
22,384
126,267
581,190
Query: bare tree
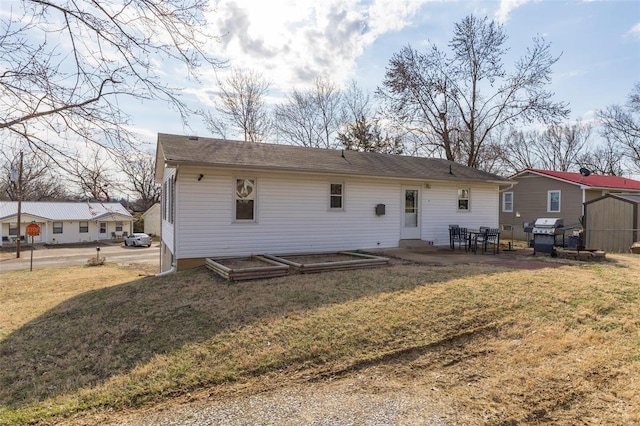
x,y
560,147
91,175
38,182
363,131
241,105
312,117
621,126
139,169
606,159
65,66
453,102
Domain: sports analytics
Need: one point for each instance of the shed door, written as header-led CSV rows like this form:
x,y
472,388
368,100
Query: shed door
x,y
411,213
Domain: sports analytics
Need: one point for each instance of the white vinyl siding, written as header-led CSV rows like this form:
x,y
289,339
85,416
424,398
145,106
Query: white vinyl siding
x,y
293,216
437,202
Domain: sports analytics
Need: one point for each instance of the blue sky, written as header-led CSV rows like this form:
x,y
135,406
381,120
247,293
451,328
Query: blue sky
x,y
291,42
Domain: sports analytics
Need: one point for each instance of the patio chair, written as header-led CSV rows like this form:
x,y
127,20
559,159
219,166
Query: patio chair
x,y
490,237
458,235
452,231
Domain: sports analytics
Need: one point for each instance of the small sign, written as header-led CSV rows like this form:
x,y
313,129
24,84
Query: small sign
x,y
33,229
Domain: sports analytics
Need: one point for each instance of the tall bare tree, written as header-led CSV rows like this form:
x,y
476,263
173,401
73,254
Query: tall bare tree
x,y
241,105
621,126
311,117
38,181
139,168
452,102
65,66
560,147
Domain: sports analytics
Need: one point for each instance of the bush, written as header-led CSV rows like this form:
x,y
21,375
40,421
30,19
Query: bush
x,y
96,261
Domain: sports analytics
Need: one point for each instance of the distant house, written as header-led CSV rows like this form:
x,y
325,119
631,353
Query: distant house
x,y
152,220
231,198
543,193
65,222
612,222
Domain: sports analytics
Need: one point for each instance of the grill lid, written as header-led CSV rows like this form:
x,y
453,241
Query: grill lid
x,y
549,222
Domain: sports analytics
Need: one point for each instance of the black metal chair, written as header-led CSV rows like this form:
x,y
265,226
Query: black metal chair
x,y
490,237
458,235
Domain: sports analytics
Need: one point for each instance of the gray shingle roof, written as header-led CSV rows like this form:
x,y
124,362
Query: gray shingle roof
x,y
176,149
58,211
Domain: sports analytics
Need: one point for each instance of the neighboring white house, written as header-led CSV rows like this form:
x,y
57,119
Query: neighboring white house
x,y
231,198
152,220
65,222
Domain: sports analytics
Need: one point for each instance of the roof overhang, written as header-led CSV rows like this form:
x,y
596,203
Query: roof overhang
x,y
173,163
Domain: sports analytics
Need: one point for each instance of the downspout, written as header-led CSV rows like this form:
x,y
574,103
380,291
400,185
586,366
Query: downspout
x,y
168,272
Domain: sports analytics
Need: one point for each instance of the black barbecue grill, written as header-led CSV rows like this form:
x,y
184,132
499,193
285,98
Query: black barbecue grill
x,y
545,232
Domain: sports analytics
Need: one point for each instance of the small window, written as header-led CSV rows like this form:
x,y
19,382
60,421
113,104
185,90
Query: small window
x,y
84,227
57,227
553,201
336,196
13,229
464,201
507,202
245,199
103,227
118,226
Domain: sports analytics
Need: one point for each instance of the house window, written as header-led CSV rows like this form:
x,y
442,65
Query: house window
x,y
84,227
336,196
13,229
464,201
553,201
118,226
57,227
507,202
245,199
103,227
172,198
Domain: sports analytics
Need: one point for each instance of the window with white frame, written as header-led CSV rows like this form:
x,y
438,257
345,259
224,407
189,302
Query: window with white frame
x,y
245,199
103,227
84,227
507,201
57,227
464,200
13,228
336,197
118,226
553,201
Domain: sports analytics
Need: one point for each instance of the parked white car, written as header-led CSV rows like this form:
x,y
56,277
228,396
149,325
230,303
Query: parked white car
x,y
138,239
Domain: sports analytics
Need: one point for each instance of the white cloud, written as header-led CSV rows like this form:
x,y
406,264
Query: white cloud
x,y
635,31
506,7
292,42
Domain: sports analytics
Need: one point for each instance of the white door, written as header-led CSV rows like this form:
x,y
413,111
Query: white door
x,y
410,213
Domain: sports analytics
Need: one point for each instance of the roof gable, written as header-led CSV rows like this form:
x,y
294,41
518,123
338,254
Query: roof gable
x,y
591,181
175,149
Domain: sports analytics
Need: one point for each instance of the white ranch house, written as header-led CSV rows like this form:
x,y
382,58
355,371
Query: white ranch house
x,y
226,198
65,222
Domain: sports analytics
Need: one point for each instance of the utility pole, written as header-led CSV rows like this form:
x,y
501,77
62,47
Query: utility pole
x,y
19,207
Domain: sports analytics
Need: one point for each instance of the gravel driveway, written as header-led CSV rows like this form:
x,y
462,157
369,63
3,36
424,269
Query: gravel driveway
x,y
360,400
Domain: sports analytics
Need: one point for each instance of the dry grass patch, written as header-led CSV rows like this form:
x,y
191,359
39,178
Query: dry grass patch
x,y
491,344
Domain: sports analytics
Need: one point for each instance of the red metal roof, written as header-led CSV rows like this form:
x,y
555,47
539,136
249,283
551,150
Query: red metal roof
x,y
594,181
